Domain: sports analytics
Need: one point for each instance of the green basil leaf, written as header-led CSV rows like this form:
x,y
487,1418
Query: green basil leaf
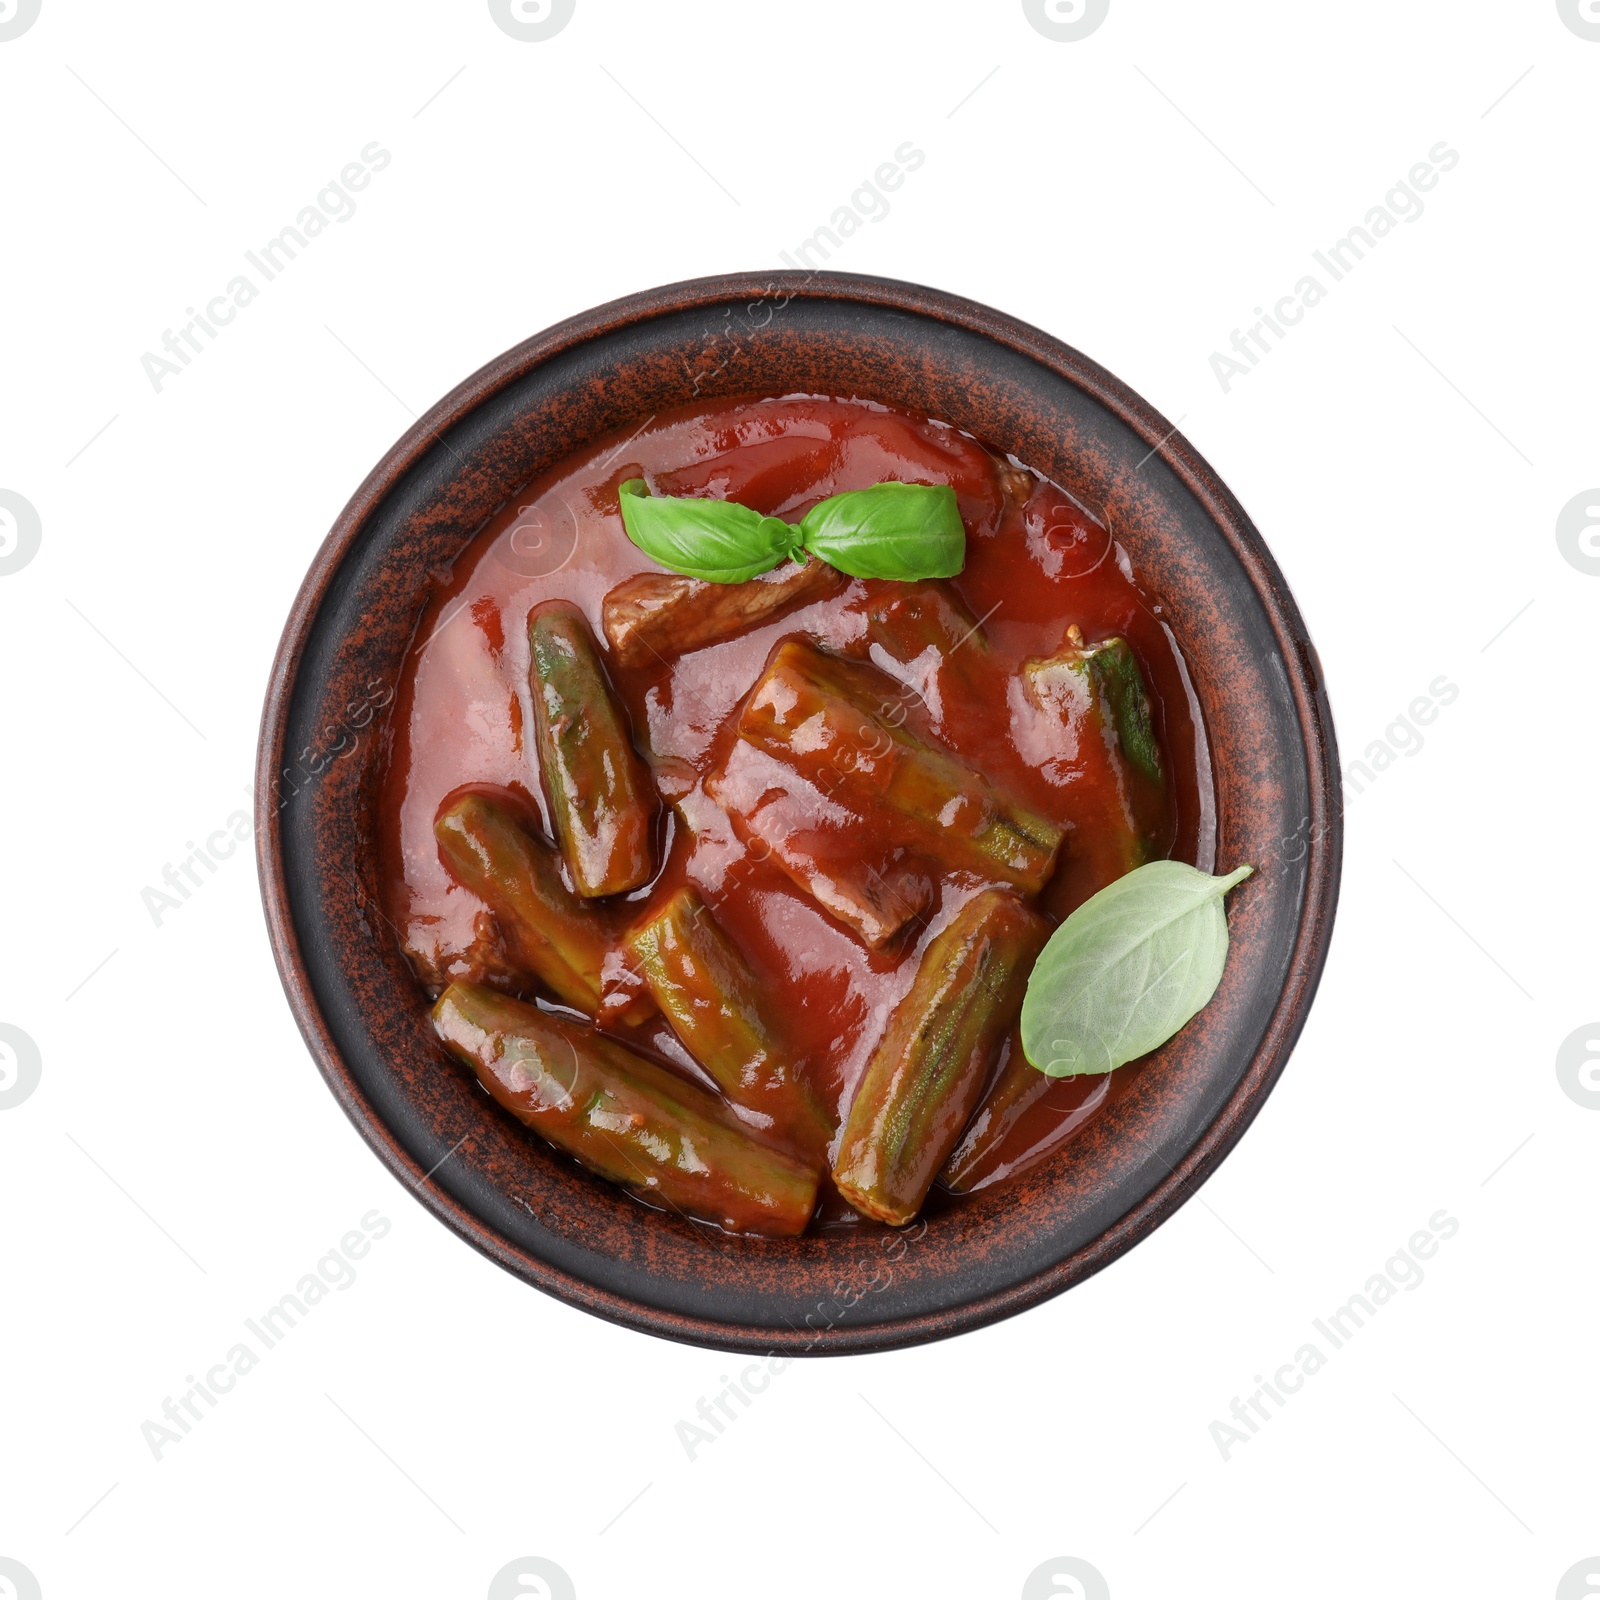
x,y
715,540
892,530
1127,969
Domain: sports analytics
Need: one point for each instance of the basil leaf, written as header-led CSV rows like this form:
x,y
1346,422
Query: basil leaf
x,y
715,540
1127,969
892,530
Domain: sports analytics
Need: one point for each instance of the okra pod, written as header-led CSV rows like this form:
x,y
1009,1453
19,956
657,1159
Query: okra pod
x,y
658,616
875,888
601,799
706,990
906,620
624,1117
924,635
548,932
1111,671
1116,675
920,1086
1096,695
829,721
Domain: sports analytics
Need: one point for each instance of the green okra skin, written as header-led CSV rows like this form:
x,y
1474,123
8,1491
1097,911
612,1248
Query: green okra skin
x,y
1111,671
548,932
824,717
624,1117
1114,671
1099,691
920,1086
602,803
706,990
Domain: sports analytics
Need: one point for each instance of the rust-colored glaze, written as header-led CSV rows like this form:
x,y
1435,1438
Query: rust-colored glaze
x,y
1255,687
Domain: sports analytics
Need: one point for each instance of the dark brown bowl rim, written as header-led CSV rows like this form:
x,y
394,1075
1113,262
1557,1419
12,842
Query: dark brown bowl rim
x,y
1324,826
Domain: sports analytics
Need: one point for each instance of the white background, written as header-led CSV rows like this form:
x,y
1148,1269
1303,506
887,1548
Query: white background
x,y
1406,453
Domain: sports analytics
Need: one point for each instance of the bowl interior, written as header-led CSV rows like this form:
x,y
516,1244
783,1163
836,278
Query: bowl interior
x,y
323,741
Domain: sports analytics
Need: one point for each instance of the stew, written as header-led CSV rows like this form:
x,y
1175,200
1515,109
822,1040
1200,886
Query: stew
x,y
731,889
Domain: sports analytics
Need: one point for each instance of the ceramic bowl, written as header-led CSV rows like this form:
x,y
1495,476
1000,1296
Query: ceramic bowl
x,y
1260,693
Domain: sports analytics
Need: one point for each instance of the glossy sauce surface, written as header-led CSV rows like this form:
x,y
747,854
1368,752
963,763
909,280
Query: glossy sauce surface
x,y
1036,562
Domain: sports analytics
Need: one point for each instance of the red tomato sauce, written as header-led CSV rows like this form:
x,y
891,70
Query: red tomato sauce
x,y
1036,562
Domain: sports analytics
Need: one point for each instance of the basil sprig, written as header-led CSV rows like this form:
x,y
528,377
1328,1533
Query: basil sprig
x,y
715,540
892,530
1127,969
